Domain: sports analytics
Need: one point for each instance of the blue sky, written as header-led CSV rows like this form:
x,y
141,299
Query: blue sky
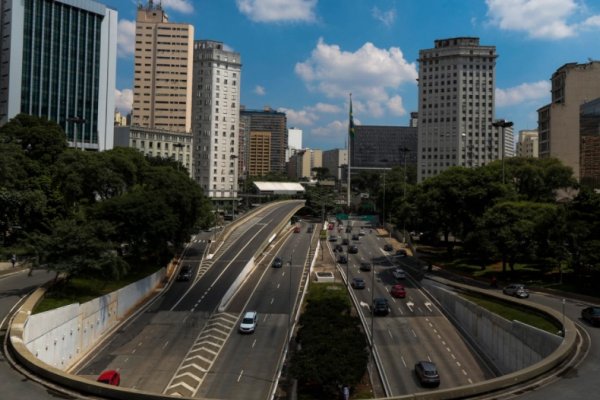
x,y
305,56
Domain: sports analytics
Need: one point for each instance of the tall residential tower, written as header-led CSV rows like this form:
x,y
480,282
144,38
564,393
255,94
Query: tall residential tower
x,y
58,60
457,80
216,110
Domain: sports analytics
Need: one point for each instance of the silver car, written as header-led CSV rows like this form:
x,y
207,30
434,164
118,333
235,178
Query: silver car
x,y
517,290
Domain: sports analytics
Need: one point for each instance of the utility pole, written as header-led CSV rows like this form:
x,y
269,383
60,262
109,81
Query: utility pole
x,y
500,123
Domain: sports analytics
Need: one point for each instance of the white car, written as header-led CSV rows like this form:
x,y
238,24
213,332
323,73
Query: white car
x,y
399,273
248,324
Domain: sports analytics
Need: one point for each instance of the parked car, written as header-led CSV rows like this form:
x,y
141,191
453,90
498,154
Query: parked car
x,y
110,377
277,262
185,273
342,259
345,241
365,266
249,322
401,253
388,247
381,306
517,290
358,283
398,291
338,247
591,315
399,273
353,249
427,373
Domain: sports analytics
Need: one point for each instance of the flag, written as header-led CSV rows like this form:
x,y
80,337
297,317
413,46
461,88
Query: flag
x,y
351,124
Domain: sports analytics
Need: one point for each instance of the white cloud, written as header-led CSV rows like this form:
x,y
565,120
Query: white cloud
x,y
125,38
333,129
299,117
259,90
182,6
278,10
123,100
371,74
396,106
522,93
387,17
543,19
325,108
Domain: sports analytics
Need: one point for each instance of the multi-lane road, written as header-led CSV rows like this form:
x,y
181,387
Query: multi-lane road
x,y
186,342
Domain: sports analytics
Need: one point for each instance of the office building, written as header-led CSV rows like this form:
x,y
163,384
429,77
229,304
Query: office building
x,y
527,146
120,119
558,122
58,60
259,155
382,147
508,142
162,91
589,125
215,126
275,123
457,81
294,142
302,163
333,160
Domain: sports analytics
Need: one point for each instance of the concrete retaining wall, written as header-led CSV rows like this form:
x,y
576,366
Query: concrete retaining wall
x,y
509,345
60,337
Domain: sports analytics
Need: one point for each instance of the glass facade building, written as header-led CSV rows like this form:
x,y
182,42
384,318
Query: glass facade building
x,y
59,61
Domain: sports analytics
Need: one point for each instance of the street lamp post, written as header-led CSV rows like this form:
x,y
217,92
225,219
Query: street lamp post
x,y
500,123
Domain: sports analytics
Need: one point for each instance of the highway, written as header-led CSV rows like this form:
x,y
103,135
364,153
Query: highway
x,y
414,330
171,345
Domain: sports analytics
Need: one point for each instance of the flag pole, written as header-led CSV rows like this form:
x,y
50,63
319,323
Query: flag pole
x,y
350,137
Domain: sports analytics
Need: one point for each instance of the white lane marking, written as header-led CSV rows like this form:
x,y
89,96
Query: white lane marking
x,y
165,345
458,364
429,358
429,306
278,285
254,343
470,380
444,342
464,372
448,350
453,357
240,376
410,305
126,359
403,361
272,300
133,351
390,333
415,334
400,311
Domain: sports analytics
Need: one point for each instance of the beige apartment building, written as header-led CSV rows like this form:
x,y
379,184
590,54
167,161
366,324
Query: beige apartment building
x,y
259,155
162,92
301,163
559,122
528,144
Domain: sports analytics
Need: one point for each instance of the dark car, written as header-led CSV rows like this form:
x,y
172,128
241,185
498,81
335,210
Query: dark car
x,y
338,247
427,373
517,290
365,266
348,229
401,253
342,259
398,291
388,247
345,241
381,306
310,229
185,273
353,249
591,315
110,377
355,237
277,262
333,238
358,283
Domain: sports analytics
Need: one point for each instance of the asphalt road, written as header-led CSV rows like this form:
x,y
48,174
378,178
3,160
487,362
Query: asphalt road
x,y
170,346
414,330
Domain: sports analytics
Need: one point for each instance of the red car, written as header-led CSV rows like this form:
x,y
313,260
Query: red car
x,y
297,229
398,291
330,227
110,377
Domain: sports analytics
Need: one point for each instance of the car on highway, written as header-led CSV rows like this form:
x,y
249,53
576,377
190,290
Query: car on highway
x,y
427,374
381,306
353,249
398,291
277,262
591,315
342,259
330,226
361,232
365,266
355,237
388,247
249,322
345,241
401,253
358,283
110,377
517,290
297,229
185,274
310,229
338,247
348,229
333,238
399,273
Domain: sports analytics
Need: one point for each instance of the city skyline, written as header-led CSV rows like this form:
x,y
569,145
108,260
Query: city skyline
x,y
305,57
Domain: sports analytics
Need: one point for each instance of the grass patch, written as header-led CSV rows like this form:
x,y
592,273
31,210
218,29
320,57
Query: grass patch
x,y
512,312
81,290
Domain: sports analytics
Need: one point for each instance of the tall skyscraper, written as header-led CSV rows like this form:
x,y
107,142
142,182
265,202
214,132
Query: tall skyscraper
x,y
294,142
375,146
457,81
333,160
558,122
58,60
216,110
274,122
527,146
162,91
589,128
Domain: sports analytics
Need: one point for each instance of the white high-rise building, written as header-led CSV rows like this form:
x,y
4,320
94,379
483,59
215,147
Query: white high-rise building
x,y
457,81
509,141
216,115
294,142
